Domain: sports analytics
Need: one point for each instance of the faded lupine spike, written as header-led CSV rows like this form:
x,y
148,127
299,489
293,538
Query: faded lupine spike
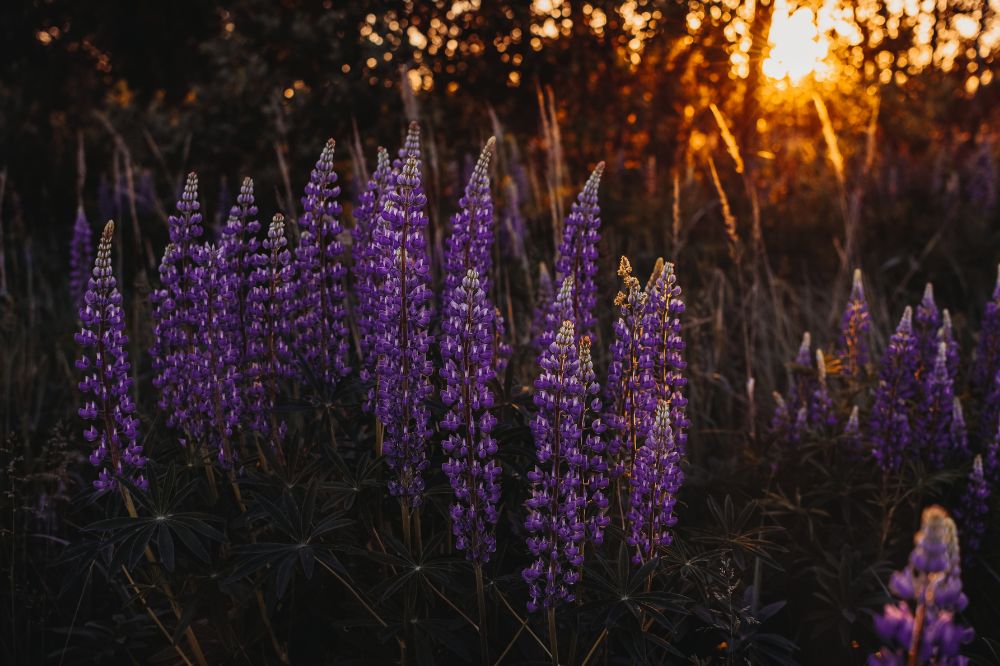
x,y
891,427
556,531
929,590
322,338
653,485
852,433
661,333
805,355
81,250
404,368
107,380
628,394
852,346
821,411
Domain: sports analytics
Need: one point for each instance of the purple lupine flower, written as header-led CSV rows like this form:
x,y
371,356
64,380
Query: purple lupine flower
x,y
404,369
820,407
929,590
559,310
852,346
988,350
946,335
322,319
107,382
366,258
662,335
784,422
578,253
631,406
937,409
972,510
927,323
470,244
217,404
80,251
270,309
174,321
239,246
656,478
593,464
467,350
890,420
804,384
557,533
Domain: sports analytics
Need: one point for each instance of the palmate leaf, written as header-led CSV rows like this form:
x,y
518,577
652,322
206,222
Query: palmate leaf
x,y
303,529
161,520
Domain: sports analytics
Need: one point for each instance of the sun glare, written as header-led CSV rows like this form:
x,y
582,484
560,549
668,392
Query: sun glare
x,y
797,49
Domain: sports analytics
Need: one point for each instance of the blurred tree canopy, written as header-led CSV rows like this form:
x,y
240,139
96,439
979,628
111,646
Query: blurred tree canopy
x,y
225,87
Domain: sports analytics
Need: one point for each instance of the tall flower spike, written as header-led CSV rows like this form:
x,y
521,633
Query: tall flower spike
x,y
821,412
662,336
471,467
107,382
927,322
174,318
971,512
558,311
556,532
946,335
988,351
322,320
214,373
630,403
470,244
594,465
270,306
935,416
655,480
852,434
80,251
365,253
404,369
578,252
804,384
852,347
239,246
890,421
929,591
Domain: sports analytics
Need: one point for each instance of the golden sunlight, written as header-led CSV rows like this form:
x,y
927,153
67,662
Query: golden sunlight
x,y
797,49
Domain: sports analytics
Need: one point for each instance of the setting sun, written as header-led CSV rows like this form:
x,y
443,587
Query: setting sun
x,y
797,47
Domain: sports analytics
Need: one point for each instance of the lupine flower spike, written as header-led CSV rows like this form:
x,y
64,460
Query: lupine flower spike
x,y
971,512
174,318
107,381
662,336
988,351
404,367
921,627
366,258
821,412
556,531
936,412
927,323
271,306
578,253
655,480
594,465
80,252
239,247
852,347
891,429
322,327
471,467
852,434
631,406
946,335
